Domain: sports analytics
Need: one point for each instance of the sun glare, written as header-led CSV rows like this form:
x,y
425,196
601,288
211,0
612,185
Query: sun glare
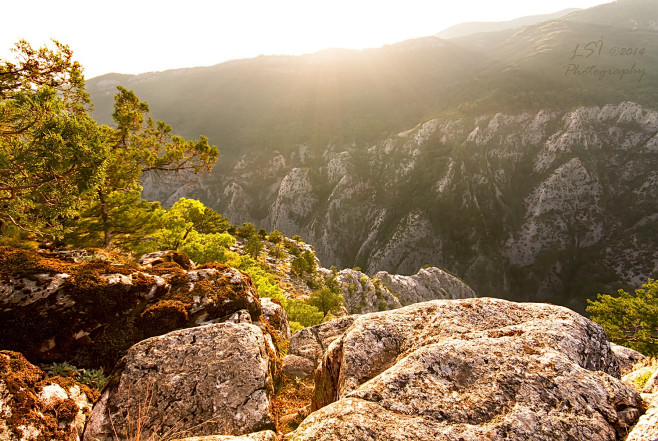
x,y
166,34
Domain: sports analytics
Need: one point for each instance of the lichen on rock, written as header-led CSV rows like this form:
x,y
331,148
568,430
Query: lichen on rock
x,y
206,380
470,369
54,308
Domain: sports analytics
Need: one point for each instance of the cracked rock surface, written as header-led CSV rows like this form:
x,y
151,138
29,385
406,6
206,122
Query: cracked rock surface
x,y
308,345
472,369
207,380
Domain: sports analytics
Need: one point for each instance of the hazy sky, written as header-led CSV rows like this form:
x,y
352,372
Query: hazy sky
x,y
142,35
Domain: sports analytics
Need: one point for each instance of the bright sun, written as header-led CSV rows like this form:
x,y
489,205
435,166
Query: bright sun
x,y
138,36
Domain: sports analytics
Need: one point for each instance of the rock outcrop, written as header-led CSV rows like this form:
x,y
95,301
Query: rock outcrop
x,y
643,376
427,284
308,345
646,428
363,294
470,370
207,380
33,407
384,291
627,357
276,316
54,309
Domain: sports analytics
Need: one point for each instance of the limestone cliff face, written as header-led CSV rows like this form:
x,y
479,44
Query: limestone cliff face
x,y
553,205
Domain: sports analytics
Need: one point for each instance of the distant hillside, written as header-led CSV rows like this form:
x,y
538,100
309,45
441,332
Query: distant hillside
x,y
475,27
522,161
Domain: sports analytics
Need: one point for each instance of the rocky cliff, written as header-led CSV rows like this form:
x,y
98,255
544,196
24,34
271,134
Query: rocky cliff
x,y
549,205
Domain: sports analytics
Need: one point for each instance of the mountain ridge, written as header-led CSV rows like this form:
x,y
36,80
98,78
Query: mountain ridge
x,y
475,27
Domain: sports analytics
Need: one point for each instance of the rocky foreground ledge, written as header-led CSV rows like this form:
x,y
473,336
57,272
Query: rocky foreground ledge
x,y
461,369
468,369
471,369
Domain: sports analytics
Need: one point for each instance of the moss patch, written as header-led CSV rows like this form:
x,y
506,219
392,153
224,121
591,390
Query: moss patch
x,y
163,317
23,381
101,309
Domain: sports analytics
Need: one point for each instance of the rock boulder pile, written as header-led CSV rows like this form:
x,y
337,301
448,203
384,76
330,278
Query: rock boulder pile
x,y
470,370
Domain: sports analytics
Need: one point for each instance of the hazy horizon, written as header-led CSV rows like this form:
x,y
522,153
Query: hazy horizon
x,y
138,37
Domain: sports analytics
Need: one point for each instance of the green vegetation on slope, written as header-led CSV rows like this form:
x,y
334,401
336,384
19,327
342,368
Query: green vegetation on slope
x,y
68,180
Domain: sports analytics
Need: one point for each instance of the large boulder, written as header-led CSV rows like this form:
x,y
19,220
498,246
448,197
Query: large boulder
x,y
385,291
308,345
470,369
33,407
54,308
208,380
627,357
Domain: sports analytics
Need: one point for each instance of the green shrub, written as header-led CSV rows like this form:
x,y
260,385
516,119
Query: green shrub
x,y
207,248
304,264
62,369
326,301
630,320
246,230
303,313
254,246
275,236
94,378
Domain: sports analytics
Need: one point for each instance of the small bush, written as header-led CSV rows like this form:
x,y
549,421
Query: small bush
x,y
326,301
630,320
303,313
275,236
94,378
62,369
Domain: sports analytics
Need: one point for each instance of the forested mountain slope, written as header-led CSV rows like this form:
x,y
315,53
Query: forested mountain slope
x,y
523,161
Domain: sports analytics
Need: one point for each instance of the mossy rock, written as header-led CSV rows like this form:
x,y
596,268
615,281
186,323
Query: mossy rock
x,y
53,309
164,316
166,257
29,409
218,291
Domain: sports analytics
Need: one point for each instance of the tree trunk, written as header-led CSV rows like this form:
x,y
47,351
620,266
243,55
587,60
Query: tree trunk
x,y
105,220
